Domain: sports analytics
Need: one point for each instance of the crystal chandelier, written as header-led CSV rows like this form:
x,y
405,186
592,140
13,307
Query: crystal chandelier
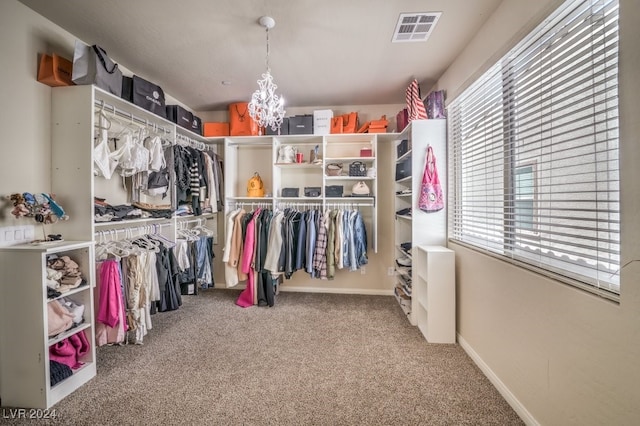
x,y
267,108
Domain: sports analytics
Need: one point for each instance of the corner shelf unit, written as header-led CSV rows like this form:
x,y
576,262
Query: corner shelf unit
x,y
246,155
24,340
415,227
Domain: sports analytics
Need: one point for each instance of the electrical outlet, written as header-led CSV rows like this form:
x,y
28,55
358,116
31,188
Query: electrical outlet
x,y
391,271
363,270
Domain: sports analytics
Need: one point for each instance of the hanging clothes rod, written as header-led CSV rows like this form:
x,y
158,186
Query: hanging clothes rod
x,y
199,221
142,229
101,104
263,205
185,140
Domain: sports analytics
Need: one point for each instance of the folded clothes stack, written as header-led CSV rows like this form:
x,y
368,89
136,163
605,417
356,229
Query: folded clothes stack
x,y
63,274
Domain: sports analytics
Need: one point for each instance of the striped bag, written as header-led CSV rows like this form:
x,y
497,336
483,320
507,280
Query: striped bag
x,y
415,105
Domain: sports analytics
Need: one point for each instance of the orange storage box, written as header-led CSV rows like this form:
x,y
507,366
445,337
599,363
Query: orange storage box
x,y
215,129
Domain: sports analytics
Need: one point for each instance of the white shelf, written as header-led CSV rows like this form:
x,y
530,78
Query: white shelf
x,y
358,178
419,228
298,165
349,159
60,337
405,155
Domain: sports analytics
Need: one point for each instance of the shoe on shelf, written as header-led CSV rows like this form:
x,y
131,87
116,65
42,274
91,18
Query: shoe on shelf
x,y
404,212
404,262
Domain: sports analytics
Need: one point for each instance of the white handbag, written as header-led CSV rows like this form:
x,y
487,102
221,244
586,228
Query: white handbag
x,y
286,154
360,189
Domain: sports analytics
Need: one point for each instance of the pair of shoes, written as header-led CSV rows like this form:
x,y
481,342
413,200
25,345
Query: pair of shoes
x,y
404,212
404,192
404,262
406,246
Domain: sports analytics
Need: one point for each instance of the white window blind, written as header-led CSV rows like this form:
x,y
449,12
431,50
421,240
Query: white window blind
x,y
534,170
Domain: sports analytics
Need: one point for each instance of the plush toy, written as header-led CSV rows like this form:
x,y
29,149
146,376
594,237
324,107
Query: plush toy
x,y
41,207
19,205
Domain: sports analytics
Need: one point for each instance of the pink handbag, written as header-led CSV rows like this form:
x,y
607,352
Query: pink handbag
x,y
431,196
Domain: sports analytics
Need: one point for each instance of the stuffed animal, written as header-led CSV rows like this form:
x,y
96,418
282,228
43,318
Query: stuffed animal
x,y
41,207
19,205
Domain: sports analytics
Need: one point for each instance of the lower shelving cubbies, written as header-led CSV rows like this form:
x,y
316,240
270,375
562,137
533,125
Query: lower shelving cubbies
x,y
24,319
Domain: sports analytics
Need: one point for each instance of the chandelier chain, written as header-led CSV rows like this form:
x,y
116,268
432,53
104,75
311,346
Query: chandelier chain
x,y
266,107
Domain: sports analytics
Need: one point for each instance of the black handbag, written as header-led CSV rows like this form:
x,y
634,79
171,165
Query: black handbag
x,y
312,191
357,168
333,190
290,192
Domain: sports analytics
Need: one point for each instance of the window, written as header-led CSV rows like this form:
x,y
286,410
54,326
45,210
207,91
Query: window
x,y
524,198
534,173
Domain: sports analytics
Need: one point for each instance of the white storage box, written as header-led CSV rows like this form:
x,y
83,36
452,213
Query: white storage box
x,y
322,121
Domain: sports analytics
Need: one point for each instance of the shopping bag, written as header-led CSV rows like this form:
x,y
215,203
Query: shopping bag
x,y
415,105
55,70
350,122
240,122
91,65
431,196
337,124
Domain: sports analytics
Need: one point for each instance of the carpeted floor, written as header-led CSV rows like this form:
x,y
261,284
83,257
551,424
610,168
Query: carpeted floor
x,y
321,359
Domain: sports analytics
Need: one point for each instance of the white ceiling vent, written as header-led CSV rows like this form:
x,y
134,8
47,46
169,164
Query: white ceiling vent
x,y
415,26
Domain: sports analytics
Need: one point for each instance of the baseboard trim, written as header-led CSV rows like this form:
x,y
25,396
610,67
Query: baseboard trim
x,y
362,291
511,399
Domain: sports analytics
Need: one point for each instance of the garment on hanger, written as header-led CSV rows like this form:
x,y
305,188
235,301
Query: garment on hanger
x,y
246,297
111,325
263,246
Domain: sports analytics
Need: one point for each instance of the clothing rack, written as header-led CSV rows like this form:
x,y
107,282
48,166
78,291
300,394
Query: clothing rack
x,y
152,228
187,141
200,222
101,104
252,204
350,205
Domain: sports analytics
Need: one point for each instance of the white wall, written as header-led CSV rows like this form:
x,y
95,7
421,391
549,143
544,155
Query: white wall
x,y
559,355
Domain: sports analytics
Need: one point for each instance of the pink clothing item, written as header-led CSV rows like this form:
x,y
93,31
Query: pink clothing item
x,y
108,296
59,318
70,350
246,297
104,333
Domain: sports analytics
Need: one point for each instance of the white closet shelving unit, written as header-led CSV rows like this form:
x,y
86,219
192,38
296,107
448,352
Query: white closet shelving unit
x,y
24,343
435,293
246,155
74,122
24,365
416,228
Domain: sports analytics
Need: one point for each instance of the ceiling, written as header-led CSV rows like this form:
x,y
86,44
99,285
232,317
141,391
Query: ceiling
x,y
322,53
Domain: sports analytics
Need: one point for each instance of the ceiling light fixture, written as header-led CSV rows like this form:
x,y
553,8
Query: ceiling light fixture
x,y
267,108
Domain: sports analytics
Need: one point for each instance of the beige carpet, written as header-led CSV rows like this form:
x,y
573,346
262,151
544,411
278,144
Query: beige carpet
x,y
320,359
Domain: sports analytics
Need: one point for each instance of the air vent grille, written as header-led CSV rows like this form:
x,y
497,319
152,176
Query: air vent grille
x,y
415,26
